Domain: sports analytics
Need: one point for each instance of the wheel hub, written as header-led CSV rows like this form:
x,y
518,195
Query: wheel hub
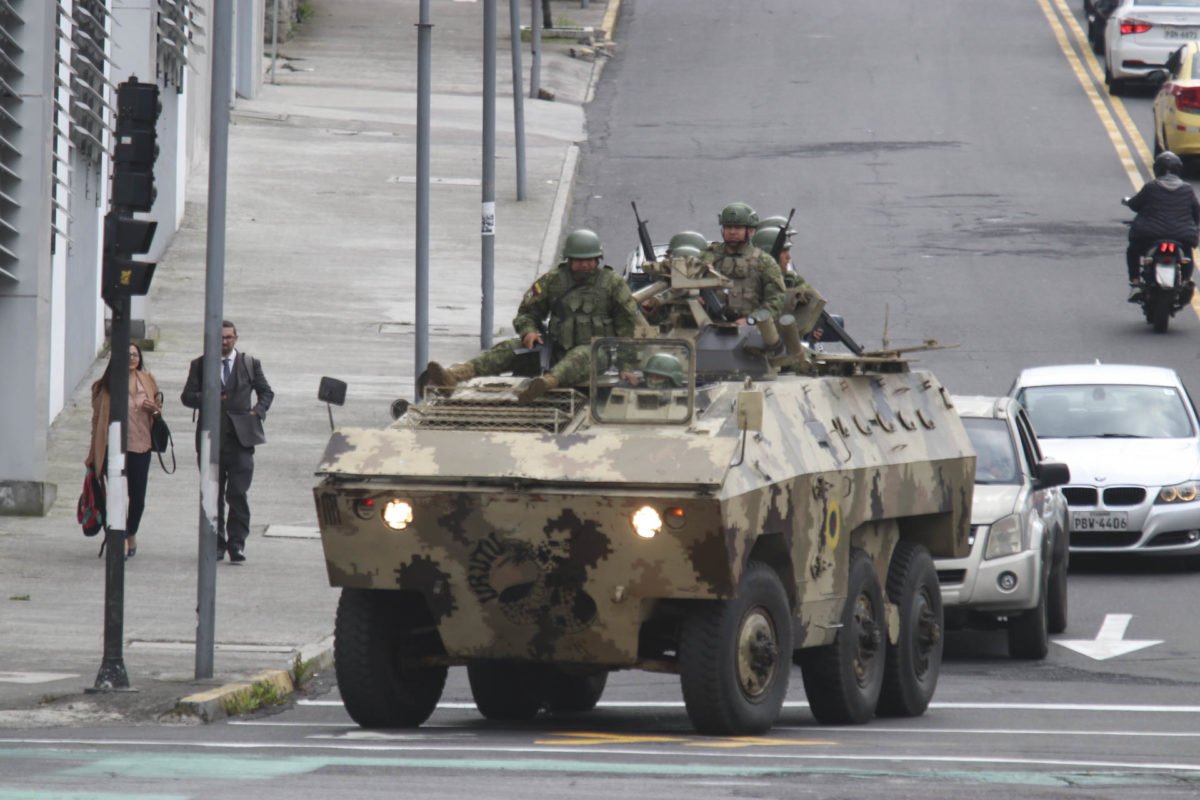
x,y
929,633
758,654
868,638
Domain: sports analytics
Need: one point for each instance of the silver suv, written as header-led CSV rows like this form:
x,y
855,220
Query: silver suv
x,y
1016,574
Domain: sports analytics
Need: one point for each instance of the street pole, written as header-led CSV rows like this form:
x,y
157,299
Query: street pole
x,y
214,287
274,39
535,49
514,14
424,113
112,675
488,211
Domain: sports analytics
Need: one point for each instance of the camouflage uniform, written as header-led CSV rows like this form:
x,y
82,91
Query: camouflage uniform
x,y
598,303
757,280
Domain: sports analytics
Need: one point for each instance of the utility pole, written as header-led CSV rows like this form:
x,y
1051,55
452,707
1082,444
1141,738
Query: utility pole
x,y
487,229
424,113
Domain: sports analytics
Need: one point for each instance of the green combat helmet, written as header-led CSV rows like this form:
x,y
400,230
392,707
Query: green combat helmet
x,y
687,239
684,251
764,239
582,243
665,365
775,222
738,214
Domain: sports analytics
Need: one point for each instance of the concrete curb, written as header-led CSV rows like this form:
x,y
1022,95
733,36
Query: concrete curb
x,y
548,256
232,699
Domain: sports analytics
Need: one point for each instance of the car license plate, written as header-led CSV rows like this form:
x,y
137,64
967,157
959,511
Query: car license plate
x,y
1180,33
1100,521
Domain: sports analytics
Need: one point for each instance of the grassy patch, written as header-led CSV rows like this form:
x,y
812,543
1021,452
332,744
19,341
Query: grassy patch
x,y
303,671
260,695
21,597
304,11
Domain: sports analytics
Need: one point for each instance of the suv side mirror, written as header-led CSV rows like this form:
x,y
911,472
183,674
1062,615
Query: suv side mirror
x,y
1052,473
332,392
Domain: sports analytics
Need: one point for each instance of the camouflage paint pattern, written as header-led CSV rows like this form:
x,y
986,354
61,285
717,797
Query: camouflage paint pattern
x,y
522,542
757,281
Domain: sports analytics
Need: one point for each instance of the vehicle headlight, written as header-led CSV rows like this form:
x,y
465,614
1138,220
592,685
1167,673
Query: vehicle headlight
x,y
1004,538
1186,492
398,514
647,522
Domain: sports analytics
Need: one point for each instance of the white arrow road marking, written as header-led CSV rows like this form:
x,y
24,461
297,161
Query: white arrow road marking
x,y
1110,641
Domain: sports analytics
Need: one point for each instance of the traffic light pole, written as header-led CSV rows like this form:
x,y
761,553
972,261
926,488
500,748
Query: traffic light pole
x,y
112,675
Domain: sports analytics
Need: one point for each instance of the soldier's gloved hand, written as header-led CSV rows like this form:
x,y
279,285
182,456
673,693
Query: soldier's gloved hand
x,y
805,295
531,338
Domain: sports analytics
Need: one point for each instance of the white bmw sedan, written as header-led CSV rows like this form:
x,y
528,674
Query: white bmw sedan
x,y
1130,437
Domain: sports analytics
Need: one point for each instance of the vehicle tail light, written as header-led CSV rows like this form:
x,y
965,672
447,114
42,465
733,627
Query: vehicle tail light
x,y
1187,98
1129,26
1166,247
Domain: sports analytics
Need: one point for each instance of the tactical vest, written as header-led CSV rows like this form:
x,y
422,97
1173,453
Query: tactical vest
x,y
745,295
581,313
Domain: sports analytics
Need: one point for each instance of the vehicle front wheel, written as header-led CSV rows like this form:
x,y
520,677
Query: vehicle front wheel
x,y
914,661
843,680
1027,632
735,657
374,632
1056,600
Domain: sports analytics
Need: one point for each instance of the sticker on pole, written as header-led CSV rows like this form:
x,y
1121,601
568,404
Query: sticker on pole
x,y
488,220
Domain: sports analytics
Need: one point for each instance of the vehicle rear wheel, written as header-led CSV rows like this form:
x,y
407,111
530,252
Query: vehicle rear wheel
x,y
374,631
505,691
566,693
1056,601
1027,632
1160,311
735,657
843,680
914,661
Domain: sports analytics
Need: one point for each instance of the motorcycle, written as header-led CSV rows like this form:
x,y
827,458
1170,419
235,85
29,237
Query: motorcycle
x,y
1166,272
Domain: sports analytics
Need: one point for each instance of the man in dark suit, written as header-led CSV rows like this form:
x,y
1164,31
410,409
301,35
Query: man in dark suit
x,y
241,431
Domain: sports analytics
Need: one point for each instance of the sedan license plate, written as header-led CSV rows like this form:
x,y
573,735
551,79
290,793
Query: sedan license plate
x,y
1181,33
1100,521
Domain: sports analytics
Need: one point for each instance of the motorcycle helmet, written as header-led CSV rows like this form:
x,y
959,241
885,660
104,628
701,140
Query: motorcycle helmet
x,y
1167,163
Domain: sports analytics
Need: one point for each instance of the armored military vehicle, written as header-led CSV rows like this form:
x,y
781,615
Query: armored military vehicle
x,y
719,503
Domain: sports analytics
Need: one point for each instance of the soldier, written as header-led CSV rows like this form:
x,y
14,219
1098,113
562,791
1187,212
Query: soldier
x,y
581,299
764,239
686,239
757,280
663,371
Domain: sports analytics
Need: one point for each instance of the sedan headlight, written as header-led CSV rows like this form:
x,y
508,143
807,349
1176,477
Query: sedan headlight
x,y
646,522
398,514
1186,492
1004,538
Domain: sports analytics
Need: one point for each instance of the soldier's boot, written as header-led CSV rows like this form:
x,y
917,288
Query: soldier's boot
x,y
448,377
536,388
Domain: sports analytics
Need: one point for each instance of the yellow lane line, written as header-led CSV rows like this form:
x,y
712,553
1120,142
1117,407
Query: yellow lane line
x,y
587,738
1089,88
1093,65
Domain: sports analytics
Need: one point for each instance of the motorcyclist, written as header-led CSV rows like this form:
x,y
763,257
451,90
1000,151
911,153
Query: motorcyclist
x,y
1166,209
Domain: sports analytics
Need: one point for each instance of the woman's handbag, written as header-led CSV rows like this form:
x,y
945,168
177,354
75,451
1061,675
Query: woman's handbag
x,y
89,512
160,438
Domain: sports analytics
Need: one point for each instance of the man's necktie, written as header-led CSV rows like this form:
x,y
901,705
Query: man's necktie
x,y
225,369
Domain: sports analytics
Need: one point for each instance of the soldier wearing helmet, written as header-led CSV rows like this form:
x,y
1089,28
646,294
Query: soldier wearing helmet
x,y
663,371
757,279
1166,209
686,239
580,298
764,239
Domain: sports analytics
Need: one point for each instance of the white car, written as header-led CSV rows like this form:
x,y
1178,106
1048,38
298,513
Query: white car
x,y
1130,437
1016,573
1141,34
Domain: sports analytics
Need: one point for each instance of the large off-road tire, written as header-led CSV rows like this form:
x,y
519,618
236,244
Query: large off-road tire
x,y
843,679
735,657
1056,597
571,694
1160,311
913,663
1027,632
373,632
506,691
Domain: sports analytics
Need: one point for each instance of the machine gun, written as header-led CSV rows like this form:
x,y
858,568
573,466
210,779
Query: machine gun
x,y
644,236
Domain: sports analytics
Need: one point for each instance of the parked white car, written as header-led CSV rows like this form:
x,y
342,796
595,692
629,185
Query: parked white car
x,y
1131,438
1016,573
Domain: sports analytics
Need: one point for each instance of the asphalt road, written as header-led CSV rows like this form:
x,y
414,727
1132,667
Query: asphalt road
x,y
954,177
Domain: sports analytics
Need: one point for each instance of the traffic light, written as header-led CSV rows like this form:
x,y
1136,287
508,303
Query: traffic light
x,y
133,191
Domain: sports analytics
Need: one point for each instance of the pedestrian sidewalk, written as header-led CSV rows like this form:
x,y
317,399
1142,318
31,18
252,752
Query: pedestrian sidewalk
x,y
319,279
